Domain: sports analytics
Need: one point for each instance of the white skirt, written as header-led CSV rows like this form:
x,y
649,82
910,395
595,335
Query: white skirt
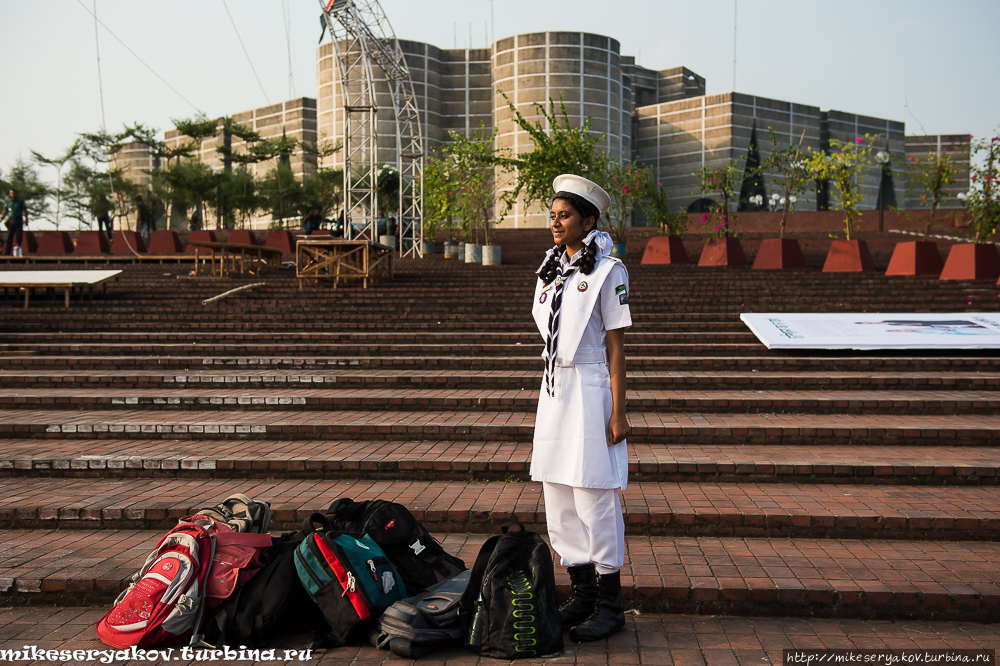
x,y
571,431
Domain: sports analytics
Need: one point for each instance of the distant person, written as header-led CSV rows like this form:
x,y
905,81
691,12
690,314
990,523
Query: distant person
x,y
145,223
104,224
16,214
313,221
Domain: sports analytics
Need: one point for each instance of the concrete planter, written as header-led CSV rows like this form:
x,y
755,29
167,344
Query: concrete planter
x,y
915,258
848,257
779,253
971,261
473,253
427,248
450,250
726,251
491,255
388,239
665,250
618,250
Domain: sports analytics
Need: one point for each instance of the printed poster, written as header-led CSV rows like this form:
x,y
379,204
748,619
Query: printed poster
x,y
800,330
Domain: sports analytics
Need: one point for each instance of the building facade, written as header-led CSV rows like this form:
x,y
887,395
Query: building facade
x,y
662,119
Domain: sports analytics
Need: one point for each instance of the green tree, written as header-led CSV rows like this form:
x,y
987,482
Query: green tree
x,y
843,169
86,193
657,205
438,199
323,189
558,148
24,178
101,148
471,167
58,163
790,173
724,182
627,186
281,195
984,193
933,175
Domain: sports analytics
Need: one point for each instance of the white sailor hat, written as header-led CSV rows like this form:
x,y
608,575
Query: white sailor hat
x,y
587,189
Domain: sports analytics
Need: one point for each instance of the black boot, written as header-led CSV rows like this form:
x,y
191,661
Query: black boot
x,y
580,606
608,617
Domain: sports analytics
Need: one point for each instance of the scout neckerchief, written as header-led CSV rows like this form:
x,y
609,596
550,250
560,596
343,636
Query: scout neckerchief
x,y
599,243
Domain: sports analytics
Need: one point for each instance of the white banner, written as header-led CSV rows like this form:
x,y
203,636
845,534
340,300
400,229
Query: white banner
x,y
800,330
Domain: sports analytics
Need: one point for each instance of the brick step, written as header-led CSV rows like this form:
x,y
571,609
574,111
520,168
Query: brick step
x,y
652,638
832,510
664,332
533,349
498,379
647,427
884,579
774,361
500,460
887,401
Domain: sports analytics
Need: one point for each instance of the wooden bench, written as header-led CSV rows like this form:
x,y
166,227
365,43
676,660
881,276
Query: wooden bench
x,y
323,258
65,280
232,256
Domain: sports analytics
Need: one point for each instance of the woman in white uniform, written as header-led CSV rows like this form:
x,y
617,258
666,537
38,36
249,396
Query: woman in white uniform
x,y
581,309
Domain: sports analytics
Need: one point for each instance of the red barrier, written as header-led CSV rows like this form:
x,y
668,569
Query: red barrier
x,y
92,242
165,241
55,242
127,242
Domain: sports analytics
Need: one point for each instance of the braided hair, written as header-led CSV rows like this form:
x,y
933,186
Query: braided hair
x,y
588,256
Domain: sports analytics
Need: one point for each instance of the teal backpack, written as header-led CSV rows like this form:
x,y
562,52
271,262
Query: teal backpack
x,y
349,578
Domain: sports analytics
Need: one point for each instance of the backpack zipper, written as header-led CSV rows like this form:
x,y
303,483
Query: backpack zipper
x,y
371,565
351,584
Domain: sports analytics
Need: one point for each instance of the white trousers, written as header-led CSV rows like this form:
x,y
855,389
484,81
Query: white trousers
x,y
585,525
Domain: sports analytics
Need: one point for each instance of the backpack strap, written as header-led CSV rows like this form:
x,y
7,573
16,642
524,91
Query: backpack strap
x,y
466,607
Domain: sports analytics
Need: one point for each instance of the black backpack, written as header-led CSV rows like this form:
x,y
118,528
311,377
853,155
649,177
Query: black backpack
x,y
509,610
271,605
415,554
416,625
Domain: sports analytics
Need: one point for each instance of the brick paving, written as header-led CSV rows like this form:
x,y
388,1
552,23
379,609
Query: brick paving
x,y
429,459
646,426
658,640
887,401
685,508
638,379
706,575
858,484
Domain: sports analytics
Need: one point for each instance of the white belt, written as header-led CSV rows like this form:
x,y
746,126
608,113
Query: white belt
x,y
591,355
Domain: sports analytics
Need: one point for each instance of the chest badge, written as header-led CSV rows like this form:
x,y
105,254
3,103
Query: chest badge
x,y
582,286
541,299
558,281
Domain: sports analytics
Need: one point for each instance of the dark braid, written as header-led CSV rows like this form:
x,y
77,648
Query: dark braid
x,y
588,258
551,268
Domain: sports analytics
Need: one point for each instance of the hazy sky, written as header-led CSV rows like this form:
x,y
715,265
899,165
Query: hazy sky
x,y
873,57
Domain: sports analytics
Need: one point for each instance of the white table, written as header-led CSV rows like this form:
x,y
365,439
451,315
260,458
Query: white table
x,y
66,280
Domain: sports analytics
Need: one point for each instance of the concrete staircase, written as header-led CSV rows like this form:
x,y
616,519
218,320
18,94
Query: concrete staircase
x,y
838,484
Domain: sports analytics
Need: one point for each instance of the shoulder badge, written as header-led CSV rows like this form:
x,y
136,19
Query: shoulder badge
x,y
582,286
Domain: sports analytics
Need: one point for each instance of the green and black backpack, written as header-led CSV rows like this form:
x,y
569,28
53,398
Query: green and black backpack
x,y
509,609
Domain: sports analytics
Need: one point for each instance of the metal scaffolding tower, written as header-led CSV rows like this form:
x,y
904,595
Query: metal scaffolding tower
x,y
363,43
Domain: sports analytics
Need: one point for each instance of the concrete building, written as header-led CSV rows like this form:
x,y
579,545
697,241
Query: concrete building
x,y
922,147
662,119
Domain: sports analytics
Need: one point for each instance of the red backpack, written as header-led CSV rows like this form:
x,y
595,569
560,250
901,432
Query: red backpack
x,y
165,603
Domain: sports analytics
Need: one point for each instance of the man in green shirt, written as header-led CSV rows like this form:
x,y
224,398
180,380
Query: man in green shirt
x,y
17,219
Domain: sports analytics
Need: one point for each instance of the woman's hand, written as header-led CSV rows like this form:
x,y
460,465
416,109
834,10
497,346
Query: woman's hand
x,y
618,429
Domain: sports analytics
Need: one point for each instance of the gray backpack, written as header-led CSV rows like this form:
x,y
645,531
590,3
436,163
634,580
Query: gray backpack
x,y
414,626
241,513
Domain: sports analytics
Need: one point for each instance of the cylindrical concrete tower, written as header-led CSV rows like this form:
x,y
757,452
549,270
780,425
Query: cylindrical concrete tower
x,y
582,69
